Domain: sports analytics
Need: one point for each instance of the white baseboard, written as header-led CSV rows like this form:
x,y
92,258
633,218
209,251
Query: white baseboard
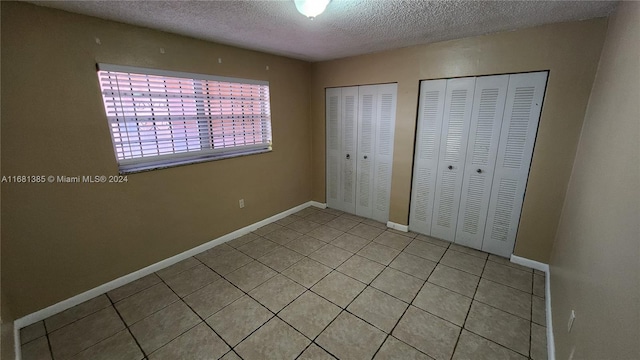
x,y
16,342
318,204
530,263
399,227
104,288
551,346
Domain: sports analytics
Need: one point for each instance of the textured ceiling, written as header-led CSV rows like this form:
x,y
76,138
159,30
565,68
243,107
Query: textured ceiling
x,y
346,28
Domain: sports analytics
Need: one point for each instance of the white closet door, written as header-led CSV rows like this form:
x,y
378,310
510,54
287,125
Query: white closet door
x,y
484,134
349,147
333,114
517,137
426,154
385,126
455,132
367,118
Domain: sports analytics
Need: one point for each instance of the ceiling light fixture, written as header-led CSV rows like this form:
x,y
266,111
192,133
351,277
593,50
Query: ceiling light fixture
x,y
311,8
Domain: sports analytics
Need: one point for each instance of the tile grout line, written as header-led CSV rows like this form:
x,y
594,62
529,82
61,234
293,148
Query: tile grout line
x,y
162,280
313,341
192,310
78,319
472,299
464,323
480,301
46,333
342,310
493,307
83,317
388,334
158,310
144,354
412,300
135,293
275,315
533,279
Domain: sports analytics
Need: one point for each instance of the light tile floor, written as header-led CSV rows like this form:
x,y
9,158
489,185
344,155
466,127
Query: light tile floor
x,y
320,284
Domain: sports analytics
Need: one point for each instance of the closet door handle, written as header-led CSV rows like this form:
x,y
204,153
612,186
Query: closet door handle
x,y
450,167
365,156
479,171
348,156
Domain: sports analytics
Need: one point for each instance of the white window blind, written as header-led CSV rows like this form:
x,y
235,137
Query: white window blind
x,y
161,118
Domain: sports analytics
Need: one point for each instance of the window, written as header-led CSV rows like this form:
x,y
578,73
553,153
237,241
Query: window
x,y
161,118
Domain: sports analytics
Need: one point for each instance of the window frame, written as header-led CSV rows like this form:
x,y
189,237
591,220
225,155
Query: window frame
x,y
152,162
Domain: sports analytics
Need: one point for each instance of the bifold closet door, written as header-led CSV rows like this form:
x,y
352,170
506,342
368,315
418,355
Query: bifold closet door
x,y
425,163
383,155
333,113
376,122
517,137
451,160
342,114
360,130
367,116
486,120
349,136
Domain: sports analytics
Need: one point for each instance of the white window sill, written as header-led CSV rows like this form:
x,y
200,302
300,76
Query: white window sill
x,y
138,168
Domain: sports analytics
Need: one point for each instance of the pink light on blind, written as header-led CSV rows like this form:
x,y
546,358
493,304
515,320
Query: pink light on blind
x,y
154,115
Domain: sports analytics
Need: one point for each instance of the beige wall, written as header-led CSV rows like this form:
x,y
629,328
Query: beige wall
x,y
569,50
595,265
7,348
63,239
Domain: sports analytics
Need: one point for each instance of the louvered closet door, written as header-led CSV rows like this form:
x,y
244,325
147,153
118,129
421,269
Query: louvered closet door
x,y
367,118
425,164
517,137
349,148
486,118
333,113
453,148
385,126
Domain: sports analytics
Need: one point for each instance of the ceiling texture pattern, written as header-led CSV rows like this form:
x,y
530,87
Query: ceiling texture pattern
x,y
346,28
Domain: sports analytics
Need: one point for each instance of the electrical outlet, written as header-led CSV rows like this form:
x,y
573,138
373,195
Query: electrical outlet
x,y
571,318
241,203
